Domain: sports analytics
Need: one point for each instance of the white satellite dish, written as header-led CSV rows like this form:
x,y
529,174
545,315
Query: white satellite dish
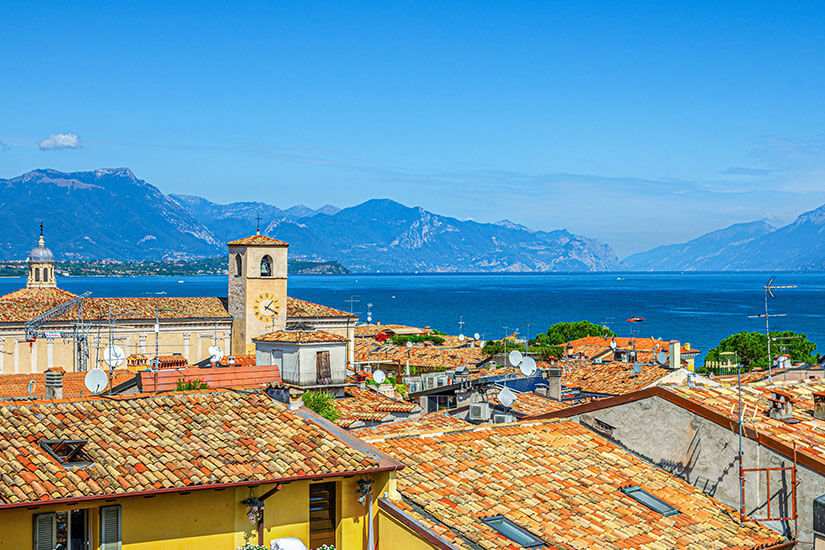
x,y
96,380
506,397
637,368
379,376
215,353
613,344
460,337
661,357
409,344
476,336
515,357
369,318
113,356
528,366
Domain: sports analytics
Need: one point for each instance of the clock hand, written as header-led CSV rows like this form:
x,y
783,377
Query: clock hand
x,y
267,306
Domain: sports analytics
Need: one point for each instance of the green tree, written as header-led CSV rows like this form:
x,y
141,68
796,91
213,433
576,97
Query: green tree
x,y
564,332
752,348
544,351
322,403
402,339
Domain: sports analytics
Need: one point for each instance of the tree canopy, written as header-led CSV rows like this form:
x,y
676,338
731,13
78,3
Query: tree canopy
x,y
752,348
492,347
322,403
564,332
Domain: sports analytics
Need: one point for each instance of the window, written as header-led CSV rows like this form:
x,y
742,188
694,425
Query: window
x,y
513,532
110,528
323,374
68,452
37,274
643,497
238,265
66,530
322,518
266,266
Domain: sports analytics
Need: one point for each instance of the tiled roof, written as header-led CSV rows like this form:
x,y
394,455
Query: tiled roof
x,y
562,483
427,357
531,404
611,378
365,331
299,337
16,386
23,304
369,406
257,240
296,308
428,423
167,442
214,377
594,345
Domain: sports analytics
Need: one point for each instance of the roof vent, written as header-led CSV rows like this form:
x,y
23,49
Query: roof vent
x,y
54,384
781,405
68,452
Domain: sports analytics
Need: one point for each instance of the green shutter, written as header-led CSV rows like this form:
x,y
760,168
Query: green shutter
x,y
110,527
45,531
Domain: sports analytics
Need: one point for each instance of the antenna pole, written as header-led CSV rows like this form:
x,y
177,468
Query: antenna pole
x,y
739,415
157,339
768,335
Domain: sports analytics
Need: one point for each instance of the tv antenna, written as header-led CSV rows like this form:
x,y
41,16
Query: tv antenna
x,y
369,311
461,324
352,300
768,289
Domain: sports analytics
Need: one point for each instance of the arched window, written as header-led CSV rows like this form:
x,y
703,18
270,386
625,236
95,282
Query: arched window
x,y
238,265
45,273
37,274
266,266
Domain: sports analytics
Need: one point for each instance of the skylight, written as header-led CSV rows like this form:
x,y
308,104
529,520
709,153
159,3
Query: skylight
x,y
68,452
643,497
514,532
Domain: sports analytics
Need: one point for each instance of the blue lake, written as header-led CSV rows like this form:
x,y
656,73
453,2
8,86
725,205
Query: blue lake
x,y
700,308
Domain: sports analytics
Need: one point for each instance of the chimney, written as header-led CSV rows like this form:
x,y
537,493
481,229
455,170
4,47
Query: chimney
x,y
819,405
781,406
675,355
54,384
554,377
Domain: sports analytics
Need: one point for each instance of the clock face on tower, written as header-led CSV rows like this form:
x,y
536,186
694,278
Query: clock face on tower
x,y
266,307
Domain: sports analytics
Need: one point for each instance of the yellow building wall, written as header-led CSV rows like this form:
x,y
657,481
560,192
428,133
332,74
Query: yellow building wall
x,y
209,518
394,535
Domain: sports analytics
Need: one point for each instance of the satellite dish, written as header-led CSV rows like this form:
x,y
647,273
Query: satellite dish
x,y
476,336
528,366
409,344
515,357
215,353
96,380
379,376
113,356
637,368
506,397
613,344
369,318
661,357
460,337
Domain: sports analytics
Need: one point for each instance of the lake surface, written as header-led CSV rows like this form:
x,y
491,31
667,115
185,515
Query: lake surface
x,y
700,308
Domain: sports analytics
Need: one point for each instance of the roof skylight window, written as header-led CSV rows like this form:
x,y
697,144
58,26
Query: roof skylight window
x,y
643,497
515,533
68,452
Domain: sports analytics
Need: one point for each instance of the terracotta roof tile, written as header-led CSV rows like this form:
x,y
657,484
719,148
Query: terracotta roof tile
x,y
561,482
369,405
257,240
241,376
183,440
611,378
300,337
428,423
16,386
424,357
296,308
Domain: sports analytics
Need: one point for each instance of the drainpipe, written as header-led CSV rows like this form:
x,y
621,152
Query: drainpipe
x,y
265,496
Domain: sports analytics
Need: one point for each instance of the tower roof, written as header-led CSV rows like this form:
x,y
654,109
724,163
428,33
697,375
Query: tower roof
x,y
40,253
257,240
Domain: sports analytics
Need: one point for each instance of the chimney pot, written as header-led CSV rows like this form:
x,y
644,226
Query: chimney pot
x,y
54,384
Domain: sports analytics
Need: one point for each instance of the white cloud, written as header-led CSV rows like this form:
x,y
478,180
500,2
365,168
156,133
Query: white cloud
x,y
60,141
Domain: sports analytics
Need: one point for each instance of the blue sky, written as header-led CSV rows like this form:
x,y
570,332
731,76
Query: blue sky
x,y
635,123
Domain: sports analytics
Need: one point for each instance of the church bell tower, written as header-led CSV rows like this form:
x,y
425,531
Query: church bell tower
x,y
41,266
257,289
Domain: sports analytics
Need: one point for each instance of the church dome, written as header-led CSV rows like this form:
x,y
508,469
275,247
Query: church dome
x,y
40,253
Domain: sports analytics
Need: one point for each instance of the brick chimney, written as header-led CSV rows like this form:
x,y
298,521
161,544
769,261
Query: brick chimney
x,y
54,384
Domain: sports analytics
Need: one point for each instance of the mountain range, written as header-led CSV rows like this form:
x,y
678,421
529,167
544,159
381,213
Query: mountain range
x,y
111,214
754,246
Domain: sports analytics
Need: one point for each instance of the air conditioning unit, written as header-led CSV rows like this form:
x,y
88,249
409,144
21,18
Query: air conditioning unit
x,y
480,411
499,418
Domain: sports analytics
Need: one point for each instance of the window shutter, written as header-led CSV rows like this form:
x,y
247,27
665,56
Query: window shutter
x,y
110,528
45,527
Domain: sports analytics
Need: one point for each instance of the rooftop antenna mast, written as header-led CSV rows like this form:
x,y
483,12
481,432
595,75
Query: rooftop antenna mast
x,y
352,301
769,288
258,226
